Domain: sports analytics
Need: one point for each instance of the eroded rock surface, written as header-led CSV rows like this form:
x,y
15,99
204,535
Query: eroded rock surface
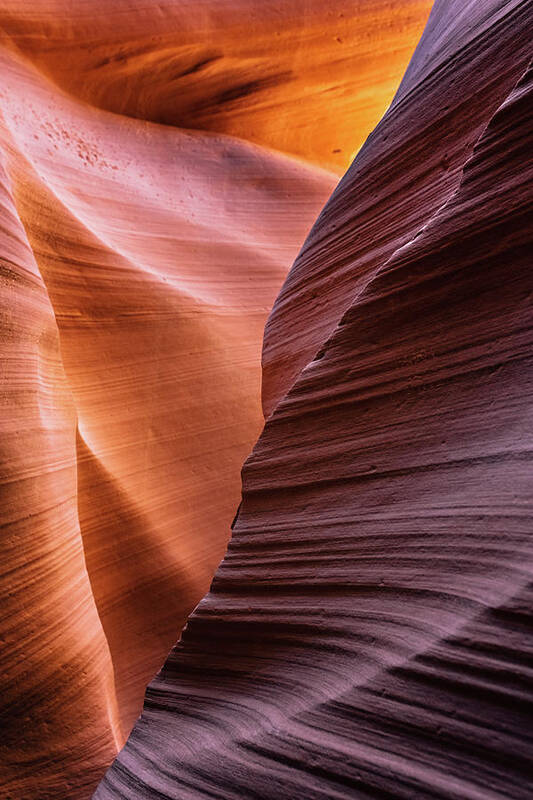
x,y
368,634
161,165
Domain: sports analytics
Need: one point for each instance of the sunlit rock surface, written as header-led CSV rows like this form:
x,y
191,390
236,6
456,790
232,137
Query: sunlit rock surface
x,y
160,167
59,716
307,78
368,634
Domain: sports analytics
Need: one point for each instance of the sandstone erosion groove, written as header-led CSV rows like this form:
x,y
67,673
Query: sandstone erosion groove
x,y
369,632
161,164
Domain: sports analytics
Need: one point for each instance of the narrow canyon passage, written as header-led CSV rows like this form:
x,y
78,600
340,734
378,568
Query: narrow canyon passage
x,y
369,632
161,166
266,271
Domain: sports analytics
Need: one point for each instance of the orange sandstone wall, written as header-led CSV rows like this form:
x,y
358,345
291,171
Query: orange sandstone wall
x,y
304,77
161,167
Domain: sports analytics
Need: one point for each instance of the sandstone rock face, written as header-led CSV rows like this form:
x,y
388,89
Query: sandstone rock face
x,y
369,632
58,697
303,77
410,165
160,167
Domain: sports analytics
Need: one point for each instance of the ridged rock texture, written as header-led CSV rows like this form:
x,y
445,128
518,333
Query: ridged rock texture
x,y
369,632
160,167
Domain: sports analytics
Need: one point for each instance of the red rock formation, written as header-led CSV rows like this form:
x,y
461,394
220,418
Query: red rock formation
x,y
303,77
369,632
160,338
58,698
410,165
141,261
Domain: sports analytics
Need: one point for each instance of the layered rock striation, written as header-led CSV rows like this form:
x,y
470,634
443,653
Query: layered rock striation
x,y
160,166
369,632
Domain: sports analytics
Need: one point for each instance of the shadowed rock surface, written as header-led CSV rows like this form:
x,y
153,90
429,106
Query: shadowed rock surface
x,y
369,632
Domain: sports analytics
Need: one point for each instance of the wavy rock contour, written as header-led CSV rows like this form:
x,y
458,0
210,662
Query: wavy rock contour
x,y
369,632
149,217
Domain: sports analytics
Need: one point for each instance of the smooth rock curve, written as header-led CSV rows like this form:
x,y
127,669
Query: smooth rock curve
x,y
149,217
369,632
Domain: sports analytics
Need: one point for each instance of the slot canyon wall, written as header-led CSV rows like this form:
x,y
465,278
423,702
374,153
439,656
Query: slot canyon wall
x,y
369,631
160,167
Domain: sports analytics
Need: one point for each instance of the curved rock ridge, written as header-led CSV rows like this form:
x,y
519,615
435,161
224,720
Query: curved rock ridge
x,y
303,77
369,633
464,67
58,696
154,195
160,299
